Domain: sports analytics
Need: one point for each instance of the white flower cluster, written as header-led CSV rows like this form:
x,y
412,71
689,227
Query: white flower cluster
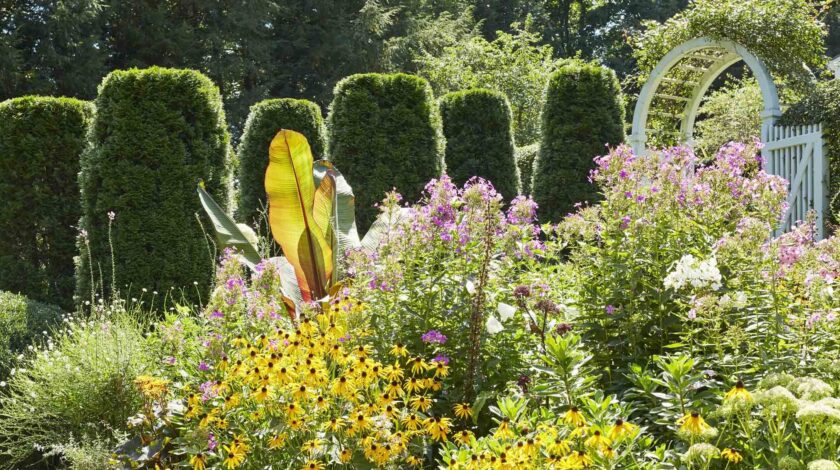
x,y
690,271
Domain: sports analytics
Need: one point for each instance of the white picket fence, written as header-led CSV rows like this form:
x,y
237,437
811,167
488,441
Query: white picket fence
x,y
796,154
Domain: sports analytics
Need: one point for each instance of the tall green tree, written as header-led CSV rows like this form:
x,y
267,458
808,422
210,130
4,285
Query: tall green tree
x,y
514,64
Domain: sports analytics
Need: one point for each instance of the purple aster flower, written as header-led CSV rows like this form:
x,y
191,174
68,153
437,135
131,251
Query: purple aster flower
x,y
202,366
609,309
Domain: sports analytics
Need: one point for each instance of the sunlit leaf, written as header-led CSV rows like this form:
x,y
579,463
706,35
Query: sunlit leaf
x,y
229,233
382,226
290,188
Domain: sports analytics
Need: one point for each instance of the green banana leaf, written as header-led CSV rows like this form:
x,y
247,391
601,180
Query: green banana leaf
x,y
229,233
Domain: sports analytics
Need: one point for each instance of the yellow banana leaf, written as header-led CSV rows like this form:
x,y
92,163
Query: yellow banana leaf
x,y
291,192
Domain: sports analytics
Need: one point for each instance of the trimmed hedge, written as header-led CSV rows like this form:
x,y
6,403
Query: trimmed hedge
x,y
823,106
22,322
385,133
266,119
583,113
525,157
479,139
41,140
157,132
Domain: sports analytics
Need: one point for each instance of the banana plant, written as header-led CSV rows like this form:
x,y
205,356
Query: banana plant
x,y
311,213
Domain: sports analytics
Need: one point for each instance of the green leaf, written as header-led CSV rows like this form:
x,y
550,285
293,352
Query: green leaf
x,y
385,223
229,233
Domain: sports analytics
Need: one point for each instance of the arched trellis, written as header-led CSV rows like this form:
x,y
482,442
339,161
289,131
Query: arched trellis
x,y
706,59
792,152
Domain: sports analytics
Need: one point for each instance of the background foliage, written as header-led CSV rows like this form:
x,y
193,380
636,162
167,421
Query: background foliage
x,y
525,157
65,47
380,126
514,64
584,111
783,33
22,323
266,119
157,132
479,141
731,113
41,140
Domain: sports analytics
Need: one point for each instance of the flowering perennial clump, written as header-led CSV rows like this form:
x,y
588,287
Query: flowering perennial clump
x,y
308,393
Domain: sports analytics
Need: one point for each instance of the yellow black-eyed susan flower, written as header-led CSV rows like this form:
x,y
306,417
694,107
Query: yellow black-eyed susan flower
x,y
693,424
731,455
463,410
574,417
739,392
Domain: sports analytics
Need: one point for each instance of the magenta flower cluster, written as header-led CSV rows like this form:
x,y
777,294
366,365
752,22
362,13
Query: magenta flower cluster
x,y
433,336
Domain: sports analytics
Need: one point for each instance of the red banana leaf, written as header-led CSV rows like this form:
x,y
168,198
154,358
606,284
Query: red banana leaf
x,y
292,196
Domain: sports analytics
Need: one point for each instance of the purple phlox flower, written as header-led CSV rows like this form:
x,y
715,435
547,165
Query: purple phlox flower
x,y
212,443
433,336
625,221
441,358
203,366
813,319
610,309
170,360
522,210
208,390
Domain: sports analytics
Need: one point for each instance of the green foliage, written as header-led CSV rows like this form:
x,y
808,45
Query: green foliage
x,y
440,282
785,34
156,133
22,323
266,119
514,64
385,133
822,105
479,142
729,114
65,48
525,157
78,390
41,140
583,113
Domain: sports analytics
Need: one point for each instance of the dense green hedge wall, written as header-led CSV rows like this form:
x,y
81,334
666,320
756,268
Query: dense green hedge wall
x,y
22,322
157,131
823,106
525,157
583,113
41,140
266,118
479,139
385,133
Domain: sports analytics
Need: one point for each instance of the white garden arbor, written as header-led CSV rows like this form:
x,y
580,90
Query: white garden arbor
x,y
670,101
